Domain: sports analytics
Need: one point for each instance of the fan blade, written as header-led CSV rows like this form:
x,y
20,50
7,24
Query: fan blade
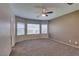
x,y
49,12
69,3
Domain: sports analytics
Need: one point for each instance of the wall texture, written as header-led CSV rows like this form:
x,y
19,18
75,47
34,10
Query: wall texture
x,y
5,29
12,24
30,37
65,28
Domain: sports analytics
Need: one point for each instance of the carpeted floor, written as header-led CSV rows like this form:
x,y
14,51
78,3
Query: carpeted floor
x,y
43,47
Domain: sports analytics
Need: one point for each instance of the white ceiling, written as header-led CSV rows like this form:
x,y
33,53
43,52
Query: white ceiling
x,y
29,10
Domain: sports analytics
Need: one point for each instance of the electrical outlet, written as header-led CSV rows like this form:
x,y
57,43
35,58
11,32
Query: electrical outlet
x,y
69,41
76,42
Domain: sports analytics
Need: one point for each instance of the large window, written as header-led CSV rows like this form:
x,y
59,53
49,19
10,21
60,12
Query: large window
x,y
20,28
33,28
44,29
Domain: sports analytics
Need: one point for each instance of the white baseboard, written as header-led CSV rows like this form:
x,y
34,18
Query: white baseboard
x,y
65,43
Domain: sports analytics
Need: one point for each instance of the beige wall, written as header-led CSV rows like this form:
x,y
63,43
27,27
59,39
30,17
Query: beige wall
x,y
65,28
12,24
5,30
30,37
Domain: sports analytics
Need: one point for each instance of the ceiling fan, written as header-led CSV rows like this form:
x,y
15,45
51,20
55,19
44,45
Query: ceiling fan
x,y
44,11
69,3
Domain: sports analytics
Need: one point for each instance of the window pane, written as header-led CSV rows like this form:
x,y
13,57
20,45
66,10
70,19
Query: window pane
x,y
20,28
20,25
44,28
33,29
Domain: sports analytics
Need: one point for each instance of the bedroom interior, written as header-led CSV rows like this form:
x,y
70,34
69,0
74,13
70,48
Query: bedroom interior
x,y
41,29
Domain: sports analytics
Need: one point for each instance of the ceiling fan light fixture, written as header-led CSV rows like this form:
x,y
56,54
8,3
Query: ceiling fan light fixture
x,y
43,15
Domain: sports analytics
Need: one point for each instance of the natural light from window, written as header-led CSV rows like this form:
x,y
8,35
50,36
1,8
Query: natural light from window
x,y
44,29
33,28
20,28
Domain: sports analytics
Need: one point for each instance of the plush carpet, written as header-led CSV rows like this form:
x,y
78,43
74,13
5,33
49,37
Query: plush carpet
x,y
43,47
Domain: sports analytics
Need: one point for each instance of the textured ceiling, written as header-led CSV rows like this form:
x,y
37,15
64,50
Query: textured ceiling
x,y
30,10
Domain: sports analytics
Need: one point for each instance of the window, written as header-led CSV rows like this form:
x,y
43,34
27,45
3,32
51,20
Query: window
x,y
20,28
33,28
44,28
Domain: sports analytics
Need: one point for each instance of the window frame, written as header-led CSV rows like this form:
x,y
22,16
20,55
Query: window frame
x,y
33,33
46,29
26,28
20,28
